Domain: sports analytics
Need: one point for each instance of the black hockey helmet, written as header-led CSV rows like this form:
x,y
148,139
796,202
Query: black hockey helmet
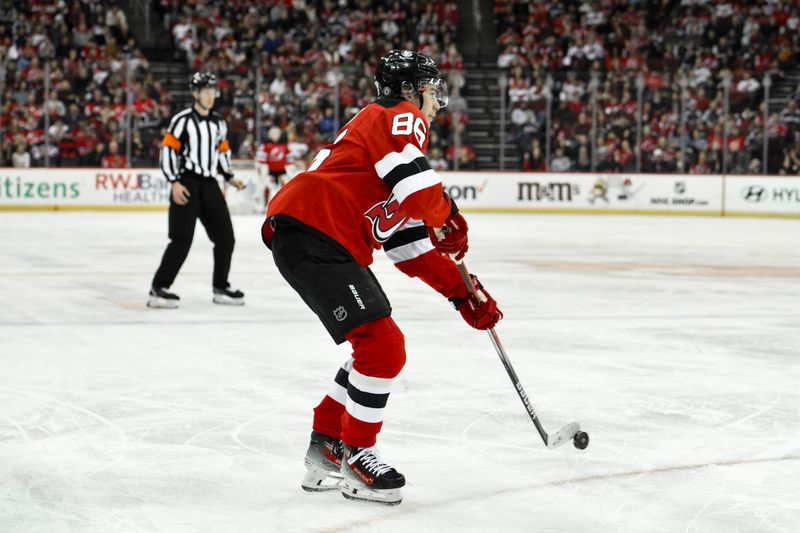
x,y
401,71
201,80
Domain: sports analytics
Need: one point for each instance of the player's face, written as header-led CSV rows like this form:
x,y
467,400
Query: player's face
x,y
429,105
434,97
206,96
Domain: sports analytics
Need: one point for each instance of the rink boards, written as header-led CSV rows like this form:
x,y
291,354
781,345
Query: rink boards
x,y
585,193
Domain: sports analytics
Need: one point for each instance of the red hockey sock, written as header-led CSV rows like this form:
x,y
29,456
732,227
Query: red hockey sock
x,y
328,417
379,355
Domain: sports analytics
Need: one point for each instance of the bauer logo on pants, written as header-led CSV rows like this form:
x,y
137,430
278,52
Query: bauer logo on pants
x,y
339,313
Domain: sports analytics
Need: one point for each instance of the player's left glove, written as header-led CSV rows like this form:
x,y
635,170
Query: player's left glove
x,y
481,312
451,239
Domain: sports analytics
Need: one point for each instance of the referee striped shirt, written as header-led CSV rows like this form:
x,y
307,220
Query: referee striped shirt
x,y
196,144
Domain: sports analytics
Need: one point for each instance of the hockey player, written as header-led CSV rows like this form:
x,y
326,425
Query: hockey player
x,y
371,188
271,159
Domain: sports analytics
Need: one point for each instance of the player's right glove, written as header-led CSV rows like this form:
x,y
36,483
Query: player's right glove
x,y
451,239
479,314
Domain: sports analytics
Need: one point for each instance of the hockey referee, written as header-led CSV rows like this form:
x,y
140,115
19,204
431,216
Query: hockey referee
x,y
194,150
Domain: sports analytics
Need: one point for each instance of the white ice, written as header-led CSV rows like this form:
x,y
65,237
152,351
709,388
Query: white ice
x,y
675,342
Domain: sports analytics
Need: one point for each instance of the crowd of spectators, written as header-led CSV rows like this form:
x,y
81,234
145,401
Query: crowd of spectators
x,y
706,47
306,67
302,51
85,46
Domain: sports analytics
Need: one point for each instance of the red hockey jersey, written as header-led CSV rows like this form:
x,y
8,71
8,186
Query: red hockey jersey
x,y
273,155
373,188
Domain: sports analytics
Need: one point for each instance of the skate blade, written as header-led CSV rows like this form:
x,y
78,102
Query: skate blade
x,y
359,492
161,303
317,480
227,300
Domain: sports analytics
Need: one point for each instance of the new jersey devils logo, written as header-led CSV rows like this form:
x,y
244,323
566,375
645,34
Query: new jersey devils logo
x,y
384,218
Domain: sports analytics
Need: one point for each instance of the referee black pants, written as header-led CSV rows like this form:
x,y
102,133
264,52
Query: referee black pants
x,y
206,203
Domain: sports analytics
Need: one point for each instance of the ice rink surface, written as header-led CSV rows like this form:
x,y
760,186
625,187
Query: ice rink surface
x,y
675,341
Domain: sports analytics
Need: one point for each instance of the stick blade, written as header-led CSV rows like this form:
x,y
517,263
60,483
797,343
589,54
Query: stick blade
x,y
564,435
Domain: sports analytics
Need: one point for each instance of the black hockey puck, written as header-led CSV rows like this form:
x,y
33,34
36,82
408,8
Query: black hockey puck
x,y
581,440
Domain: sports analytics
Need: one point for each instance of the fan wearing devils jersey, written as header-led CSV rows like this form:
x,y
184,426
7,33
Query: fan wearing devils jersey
x,y
371,188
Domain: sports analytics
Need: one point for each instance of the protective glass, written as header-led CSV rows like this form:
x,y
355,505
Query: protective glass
x,y
439,90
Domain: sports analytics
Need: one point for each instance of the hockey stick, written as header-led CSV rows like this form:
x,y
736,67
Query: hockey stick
x,y
572,430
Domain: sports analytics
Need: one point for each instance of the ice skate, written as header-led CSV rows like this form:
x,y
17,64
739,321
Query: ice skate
x,y
366,477
228,296
161,298
323,463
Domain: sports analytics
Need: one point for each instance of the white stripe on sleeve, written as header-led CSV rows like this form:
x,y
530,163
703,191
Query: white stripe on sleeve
x,y
167,167
409,251
392,159
180,126
412,223
225,162
178,122
408,186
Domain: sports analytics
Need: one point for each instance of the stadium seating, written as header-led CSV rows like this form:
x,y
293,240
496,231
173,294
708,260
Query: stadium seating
x,y
86,48
303,52
707,44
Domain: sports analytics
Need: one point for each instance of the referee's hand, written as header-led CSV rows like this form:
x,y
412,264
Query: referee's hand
x,y
239,184
180,194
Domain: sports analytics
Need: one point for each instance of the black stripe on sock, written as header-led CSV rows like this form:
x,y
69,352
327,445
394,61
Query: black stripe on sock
x,y
342,378
403,171
367,399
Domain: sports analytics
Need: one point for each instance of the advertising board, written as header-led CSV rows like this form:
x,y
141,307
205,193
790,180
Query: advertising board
x,y
670,194
585,193
764,196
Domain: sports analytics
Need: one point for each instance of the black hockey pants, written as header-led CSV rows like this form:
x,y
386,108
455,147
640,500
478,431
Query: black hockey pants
x,y
206,203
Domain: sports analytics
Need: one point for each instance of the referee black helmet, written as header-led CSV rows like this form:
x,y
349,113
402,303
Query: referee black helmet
x,y
201,80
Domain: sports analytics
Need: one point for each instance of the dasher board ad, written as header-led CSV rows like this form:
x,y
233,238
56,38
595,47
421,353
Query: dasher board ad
x,y
584,192
89,188
147,189
759,195
86,187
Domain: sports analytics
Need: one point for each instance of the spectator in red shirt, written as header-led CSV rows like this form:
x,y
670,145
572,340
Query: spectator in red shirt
x,y
466,157
113,159
623,157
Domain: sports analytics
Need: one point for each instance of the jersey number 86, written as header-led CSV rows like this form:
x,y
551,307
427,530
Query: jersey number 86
x,y
404,124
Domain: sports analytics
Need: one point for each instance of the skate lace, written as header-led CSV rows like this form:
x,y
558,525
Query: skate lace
x,y
372,461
